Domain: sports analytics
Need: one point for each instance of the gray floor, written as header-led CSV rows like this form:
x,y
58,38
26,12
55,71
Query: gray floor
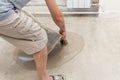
x,y
99,59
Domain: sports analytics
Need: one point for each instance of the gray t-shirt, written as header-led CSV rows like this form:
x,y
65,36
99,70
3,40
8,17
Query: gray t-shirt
x,y
8,6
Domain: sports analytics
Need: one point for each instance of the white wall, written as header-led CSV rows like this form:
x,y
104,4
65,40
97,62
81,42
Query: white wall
x,y
107,5
60,2
111,5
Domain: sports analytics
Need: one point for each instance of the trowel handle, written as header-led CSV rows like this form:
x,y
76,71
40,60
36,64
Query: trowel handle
x,y
63,42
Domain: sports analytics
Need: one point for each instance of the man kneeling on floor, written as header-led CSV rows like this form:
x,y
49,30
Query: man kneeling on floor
x,y
23,32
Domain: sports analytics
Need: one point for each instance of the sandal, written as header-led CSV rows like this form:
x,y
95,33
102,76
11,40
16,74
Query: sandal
x,y
56,77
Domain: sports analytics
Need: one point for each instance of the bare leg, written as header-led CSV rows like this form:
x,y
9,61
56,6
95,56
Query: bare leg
x,y
41,61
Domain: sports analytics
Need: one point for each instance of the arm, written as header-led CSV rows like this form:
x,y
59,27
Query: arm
x,y
57,16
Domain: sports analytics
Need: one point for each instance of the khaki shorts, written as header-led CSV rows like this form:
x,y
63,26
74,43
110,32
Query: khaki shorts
x,y
23,32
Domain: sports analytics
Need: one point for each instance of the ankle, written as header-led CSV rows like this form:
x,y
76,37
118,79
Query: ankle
x,y
50,78
43,77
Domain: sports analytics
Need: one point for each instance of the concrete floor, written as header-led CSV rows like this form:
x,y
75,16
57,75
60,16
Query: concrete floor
x,y
99,59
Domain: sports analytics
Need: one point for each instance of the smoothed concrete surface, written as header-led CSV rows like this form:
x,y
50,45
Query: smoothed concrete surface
x,y
60,55
99,60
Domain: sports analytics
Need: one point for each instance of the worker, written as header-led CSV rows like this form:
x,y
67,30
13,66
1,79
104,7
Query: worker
x,y
23,32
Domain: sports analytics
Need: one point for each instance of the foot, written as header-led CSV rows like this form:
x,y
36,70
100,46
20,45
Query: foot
x,y
60,78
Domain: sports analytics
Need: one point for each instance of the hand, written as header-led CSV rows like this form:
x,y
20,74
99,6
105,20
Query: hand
x,y
63,33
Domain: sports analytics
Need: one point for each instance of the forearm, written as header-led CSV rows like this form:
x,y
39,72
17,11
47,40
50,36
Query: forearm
x,y
56,13
57,16
59,20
